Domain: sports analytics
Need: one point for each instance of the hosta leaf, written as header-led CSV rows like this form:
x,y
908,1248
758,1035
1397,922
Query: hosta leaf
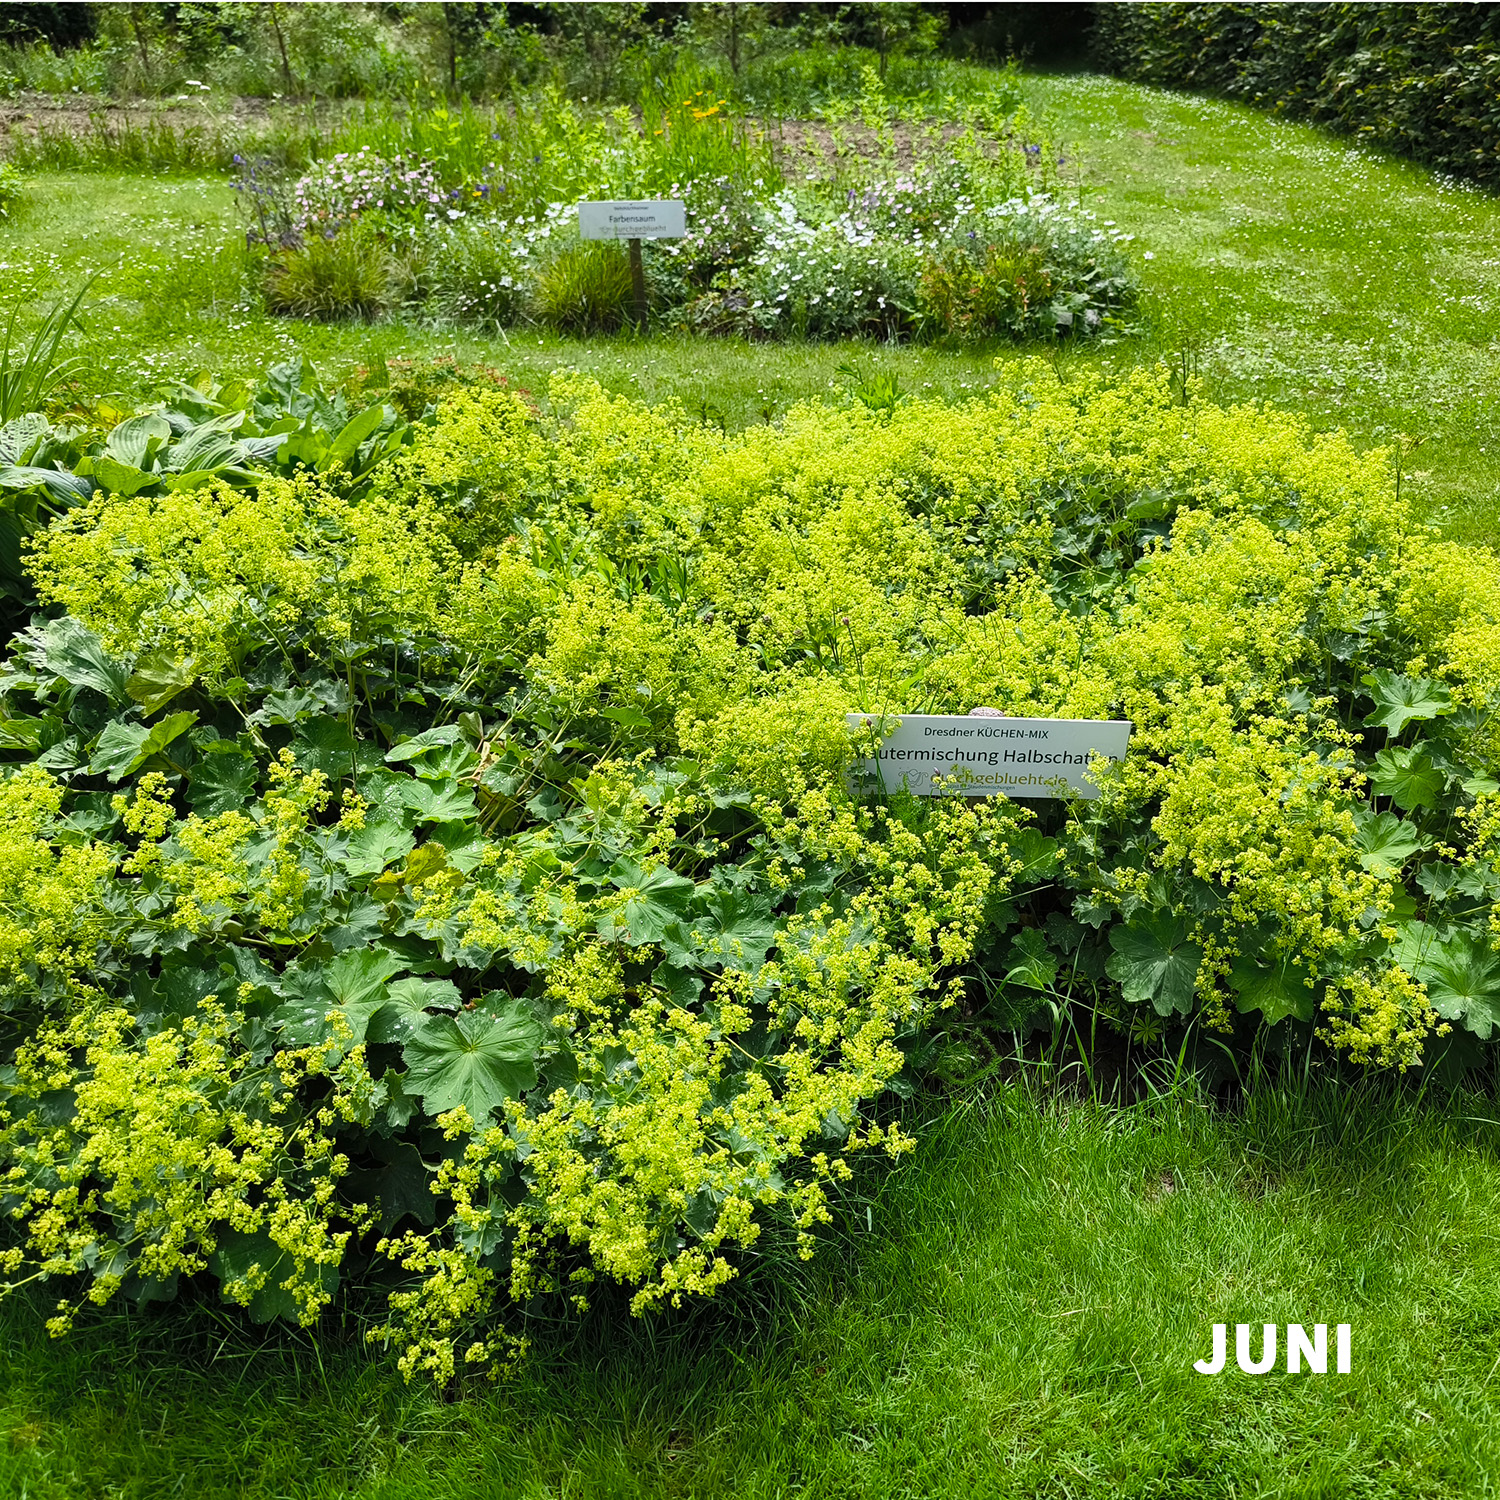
x,y
119,479
356,430
1275,990
124,748
1154,960
1399,700
654,899
478,1058
62,488
203,450
193,479
137,440
19,436
1385,842
1407,775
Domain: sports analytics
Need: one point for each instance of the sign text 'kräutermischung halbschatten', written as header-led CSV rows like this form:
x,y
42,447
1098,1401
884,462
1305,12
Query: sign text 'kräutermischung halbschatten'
x,y
990,757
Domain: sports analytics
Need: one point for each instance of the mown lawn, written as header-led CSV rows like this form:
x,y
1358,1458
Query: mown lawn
x,y
1298,269
1019,1312
1287,266
1018,1316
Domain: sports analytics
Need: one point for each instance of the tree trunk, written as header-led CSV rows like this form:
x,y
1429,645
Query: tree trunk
x,y
140,43
450,27
274,11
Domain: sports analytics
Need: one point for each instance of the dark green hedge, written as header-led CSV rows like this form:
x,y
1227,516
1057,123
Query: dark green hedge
x,y
1420,79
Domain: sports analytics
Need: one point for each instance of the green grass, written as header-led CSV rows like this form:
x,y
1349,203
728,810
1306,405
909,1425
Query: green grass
x,y
1019,1317
1331,280
1020,1312
1286,265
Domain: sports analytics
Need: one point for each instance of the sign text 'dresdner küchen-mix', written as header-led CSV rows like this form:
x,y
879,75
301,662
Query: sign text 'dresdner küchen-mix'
x,y
633,219
979,757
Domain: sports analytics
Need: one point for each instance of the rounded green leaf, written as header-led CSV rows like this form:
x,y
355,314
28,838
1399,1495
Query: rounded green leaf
x,y
478,1058
1154,961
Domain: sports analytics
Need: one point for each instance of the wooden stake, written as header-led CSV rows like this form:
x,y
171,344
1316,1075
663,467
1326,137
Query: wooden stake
x,y
638,283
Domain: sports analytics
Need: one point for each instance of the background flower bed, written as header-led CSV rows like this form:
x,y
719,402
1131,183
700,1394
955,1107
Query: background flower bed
x,y
469,216
432,863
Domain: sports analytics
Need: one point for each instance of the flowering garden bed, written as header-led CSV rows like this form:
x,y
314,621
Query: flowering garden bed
x,y
429,856
967,236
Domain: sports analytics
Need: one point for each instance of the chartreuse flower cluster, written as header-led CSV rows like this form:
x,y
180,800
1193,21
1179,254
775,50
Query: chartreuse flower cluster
x,y
458,879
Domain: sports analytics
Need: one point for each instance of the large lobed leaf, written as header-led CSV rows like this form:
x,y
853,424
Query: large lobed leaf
x,y
476,1059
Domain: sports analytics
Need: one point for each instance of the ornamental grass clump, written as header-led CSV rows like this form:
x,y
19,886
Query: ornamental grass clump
x,y
585,288
346,275
449,878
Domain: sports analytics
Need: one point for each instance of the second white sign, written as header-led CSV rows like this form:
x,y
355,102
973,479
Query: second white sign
x,y
633,219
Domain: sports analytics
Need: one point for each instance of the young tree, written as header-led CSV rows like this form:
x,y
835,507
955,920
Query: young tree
x,y
899,30
452,30
734,30
273,13
136,34
598,37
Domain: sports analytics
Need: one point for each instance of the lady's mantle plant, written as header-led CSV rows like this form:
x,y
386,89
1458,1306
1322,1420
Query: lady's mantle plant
x,y
449,879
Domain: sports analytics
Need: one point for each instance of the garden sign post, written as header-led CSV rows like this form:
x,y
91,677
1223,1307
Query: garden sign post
x,y
986,754
634,219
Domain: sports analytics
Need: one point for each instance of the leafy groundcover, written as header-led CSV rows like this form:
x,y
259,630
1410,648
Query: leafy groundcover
x,y
428,857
